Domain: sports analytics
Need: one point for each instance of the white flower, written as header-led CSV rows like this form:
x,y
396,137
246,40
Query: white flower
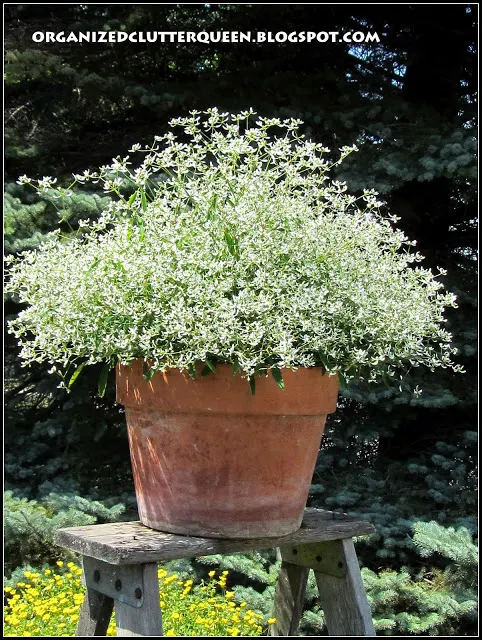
x,y
247,253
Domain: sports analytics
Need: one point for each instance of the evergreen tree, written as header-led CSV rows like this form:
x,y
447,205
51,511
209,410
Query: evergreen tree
x,y
408,102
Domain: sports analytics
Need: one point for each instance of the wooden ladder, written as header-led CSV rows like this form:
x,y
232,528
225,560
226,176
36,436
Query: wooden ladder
x,y
120,571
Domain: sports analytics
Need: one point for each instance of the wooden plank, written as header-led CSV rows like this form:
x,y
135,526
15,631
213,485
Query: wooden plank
x,y
134,543
319,556
145,620
119,582
95,614
289,599
343,600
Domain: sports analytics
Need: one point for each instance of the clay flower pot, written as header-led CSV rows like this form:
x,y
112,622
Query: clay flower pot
x,y
210,459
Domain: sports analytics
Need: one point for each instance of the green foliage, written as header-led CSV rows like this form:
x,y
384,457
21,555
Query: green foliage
x,y
431,601
30,525
456,546
402,604
254,257
392,495
28,219
48,604
255,566
410,106
253,575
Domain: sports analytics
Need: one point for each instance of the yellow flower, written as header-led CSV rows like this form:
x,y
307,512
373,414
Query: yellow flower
x,y
271,620
175,615
229,595
59,563
243,604
233,631
211,574
225,573
170,632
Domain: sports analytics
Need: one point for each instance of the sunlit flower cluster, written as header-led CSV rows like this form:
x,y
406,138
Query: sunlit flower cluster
x,y
229,243
47,603
44,603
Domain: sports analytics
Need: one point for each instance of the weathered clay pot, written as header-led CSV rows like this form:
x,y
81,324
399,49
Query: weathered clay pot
x,y
210,459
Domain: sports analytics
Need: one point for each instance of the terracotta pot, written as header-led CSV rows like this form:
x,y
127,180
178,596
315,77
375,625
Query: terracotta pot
x,y
209,459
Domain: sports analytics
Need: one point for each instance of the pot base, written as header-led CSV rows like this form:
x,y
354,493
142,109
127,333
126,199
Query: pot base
x,y
273,529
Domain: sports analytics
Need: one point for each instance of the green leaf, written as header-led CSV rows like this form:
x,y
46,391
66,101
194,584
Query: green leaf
x,y
191,369
342,380
276,372
324,363
212,206
206,372
252,385
232,242
143,201
386,379
211,365
93,265
132,198
148,372
236,368
103,380
76,374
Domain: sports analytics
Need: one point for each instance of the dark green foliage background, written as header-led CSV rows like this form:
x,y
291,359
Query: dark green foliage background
x,y
409,102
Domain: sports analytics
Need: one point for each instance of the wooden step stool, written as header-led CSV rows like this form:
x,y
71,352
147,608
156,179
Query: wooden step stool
x,y
120,569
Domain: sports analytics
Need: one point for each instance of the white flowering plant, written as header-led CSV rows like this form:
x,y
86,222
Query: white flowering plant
x,y
229,243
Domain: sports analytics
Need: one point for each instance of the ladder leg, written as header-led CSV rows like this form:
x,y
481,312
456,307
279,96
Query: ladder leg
x,y
95,614
289,599
343,599
146,619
